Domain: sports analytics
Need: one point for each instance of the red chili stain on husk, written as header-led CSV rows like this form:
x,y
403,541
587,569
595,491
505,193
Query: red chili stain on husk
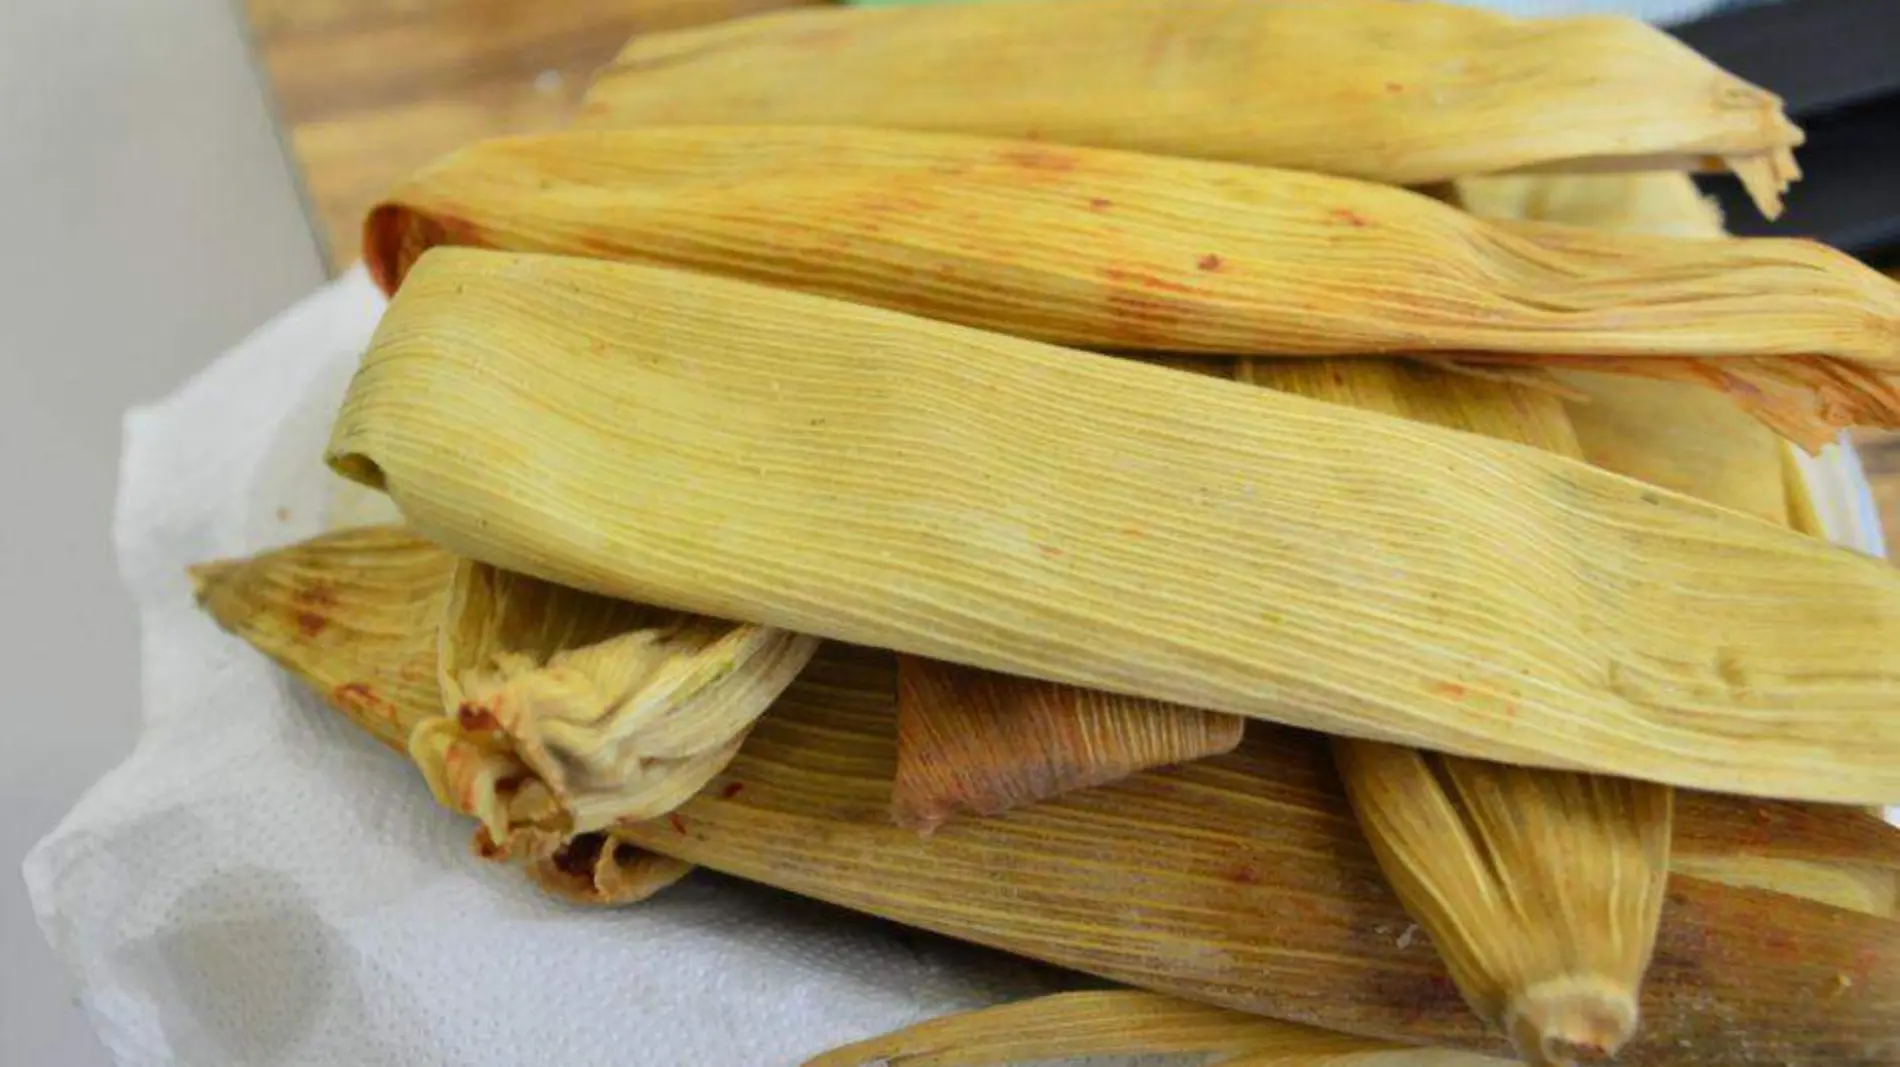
x,y
1124,276
1100,203
732,790
1451,690
1349,217
475,718
1039,159
358,695
310,624
1210,262
318,594
676,822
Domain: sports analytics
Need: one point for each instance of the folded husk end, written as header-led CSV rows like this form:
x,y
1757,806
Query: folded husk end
x,y
1570,1019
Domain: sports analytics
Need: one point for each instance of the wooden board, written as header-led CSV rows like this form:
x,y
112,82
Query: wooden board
x,y
367,90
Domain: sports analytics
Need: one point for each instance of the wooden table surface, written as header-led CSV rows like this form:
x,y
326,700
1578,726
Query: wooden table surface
x,y
367,90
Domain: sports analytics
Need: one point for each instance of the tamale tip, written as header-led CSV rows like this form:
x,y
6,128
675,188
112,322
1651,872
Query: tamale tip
x,y
1572,1019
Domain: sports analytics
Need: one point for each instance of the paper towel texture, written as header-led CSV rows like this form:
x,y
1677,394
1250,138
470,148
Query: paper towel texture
x,y
261,884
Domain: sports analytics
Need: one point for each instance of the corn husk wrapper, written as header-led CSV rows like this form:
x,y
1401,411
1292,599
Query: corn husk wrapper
x,y
1400,93
977,741
1123,251
1125,1023
621,711
913,485
1664,433
1242,880
1678,437
1542,889
355,614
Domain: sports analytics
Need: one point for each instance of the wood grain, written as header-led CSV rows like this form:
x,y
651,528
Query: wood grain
x,y
367,90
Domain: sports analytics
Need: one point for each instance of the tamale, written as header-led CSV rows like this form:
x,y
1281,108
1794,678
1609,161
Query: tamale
x,y
367,604
1670,435
975,740
1120,1023
621,710
1124,251
984,742
838,470
1542,889
1401,93
1241,880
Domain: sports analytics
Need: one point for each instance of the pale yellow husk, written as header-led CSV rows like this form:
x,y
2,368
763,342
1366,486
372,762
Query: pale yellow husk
x,y
1541,889
1117,1023
1404,93
1666,433
1123,251
858,474
1802,514
1675,436
1855,887
621,710
355,615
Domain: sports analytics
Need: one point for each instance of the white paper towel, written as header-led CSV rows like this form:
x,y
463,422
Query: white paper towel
x,y
261,884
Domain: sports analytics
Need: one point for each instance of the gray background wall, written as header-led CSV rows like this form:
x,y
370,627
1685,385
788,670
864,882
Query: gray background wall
x,y
147,220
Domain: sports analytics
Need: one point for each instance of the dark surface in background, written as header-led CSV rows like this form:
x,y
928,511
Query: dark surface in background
x,y
1837,65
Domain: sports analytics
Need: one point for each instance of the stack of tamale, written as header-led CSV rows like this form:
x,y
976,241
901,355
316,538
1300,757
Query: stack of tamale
x,y
974,419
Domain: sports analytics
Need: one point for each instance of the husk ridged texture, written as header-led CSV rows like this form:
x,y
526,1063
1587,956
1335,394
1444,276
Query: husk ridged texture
x,y
1124,1023
1294,84
914,485
355,614
1681,438
1664,433
1242,880
1123,251
621,710
1542,889
971,740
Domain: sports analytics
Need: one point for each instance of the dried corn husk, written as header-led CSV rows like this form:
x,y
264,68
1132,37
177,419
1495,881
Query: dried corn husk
x,y
373,621
1241,880
1402,93
1665,433
1128,251
355,614
982,741
1116,1022
1542,889
1681,438
620,710
1869,890
352,613
949,493
978,741
1664,203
